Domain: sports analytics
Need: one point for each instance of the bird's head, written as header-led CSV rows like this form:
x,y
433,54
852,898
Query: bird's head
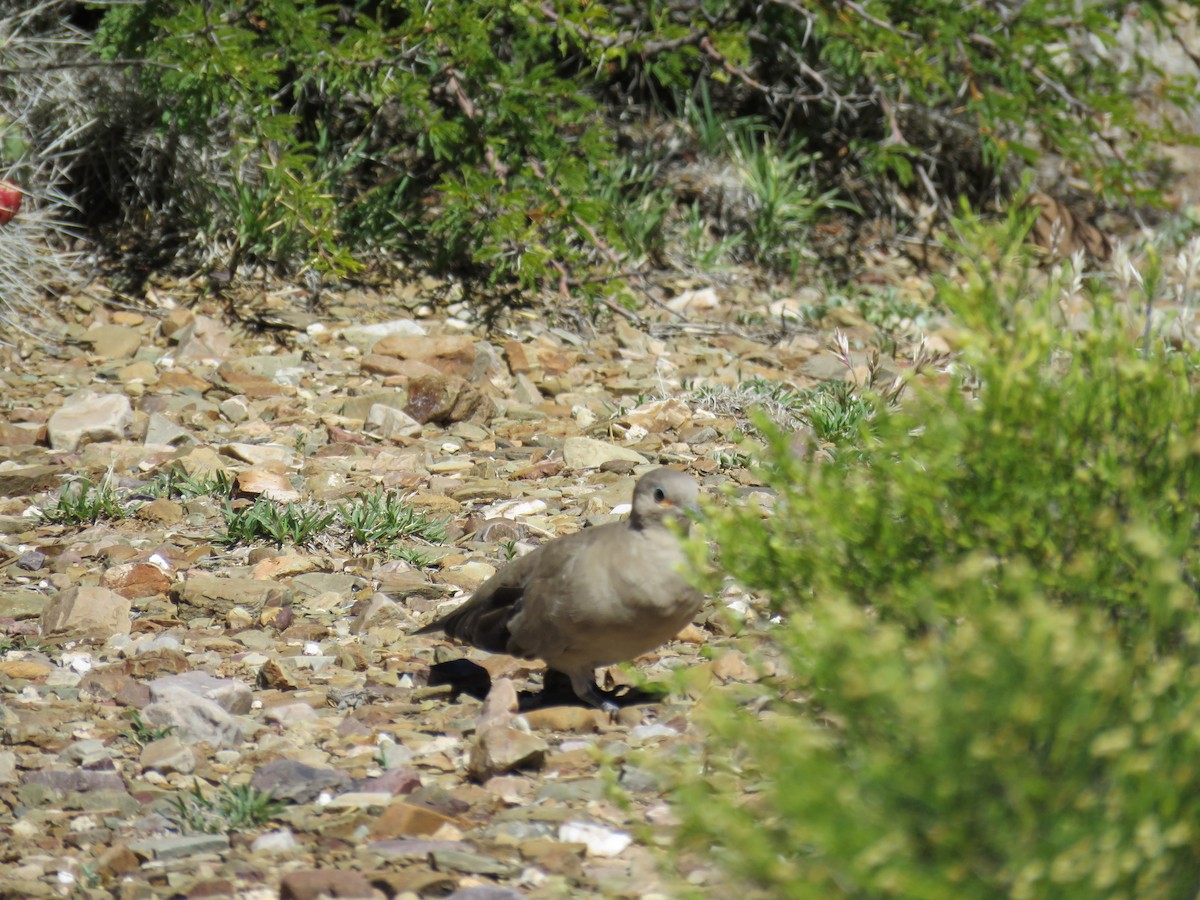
x,y
664,495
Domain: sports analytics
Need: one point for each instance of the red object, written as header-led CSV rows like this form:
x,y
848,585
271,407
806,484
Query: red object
x,y
10,201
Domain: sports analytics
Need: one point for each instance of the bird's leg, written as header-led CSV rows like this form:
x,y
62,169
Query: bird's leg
x,y
584,685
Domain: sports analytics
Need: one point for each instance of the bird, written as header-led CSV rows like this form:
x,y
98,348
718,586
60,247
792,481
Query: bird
x,y
597,597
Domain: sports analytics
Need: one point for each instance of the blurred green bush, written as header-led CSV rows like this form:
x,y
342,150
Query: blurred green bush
x,y
990,616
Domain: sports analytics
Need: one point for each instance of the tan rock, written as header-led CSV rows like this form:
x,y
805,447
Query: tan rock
x,y
573,719
449,353
86,612
113,341
503,748
168,754
409,820
88,417
589,453
161,510
24,669
272,485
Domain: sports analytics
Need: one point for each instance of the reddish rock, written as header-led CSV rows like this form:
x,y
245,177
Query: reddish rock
x,y
134,580
252,387
445,399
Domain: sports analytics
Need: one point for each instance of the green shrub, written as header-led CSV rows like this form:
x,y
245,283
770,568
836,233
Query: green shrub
x,y
1027,753
989,616
510,141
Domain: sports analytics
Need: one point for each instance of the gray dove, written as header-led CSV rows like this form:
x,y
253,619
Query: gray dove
x,y
600,596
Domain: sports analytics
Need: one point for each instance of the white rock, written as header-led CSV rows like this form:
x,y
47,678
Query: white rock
x,y
389,421
282,841
364,337
600,841
704,298
644,732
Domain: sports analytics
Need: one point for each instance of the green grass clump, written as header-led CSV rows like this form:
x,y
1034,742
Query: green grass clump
x,y
990,614
142,734
84,503
374,522
176,483
234,808
270,521
381,518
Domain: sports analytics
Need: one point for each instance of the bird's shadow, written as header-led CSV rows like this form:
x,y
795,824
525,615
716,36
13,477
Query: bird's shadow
x,y
466,677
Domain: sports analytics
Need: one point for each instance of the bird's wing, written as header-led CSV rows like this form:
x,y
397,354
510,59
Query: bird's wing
x,y
483,619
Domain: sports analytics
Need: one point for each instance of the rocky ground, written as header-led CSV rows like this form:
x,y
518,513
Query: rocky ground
x,y
159,675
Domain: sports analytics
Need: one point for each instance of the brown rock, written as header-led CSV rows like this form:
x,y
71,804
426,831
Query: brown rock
x,y
86,612
168,754
446,399
731,666
409,820
154,663
117,861
113,341
134,580
273,675
30,480
252,387
205,595
312,884
179,380
521,359
555,857
114,683
212,887
378,364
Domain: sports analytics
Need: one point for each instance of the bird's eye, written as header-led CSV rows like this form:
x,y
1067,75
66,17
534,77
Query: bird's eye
x,y
659,495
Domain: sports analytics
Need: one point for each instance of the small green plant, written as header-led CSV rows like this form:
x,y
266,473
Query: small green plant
x,y
177,483
786,202
702,247
834,410
142,734
234,808
379,519
890,311
640,205
84,503
22,642
281,524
